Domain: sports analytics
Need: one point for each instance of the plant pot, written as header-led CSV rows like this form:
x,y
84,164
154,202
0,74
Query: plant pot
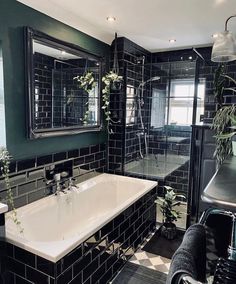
x,y
116,85
168,230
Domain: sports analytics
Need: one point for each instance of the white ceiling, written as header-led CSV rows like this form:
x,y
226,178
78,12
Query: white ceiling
x,y
149,23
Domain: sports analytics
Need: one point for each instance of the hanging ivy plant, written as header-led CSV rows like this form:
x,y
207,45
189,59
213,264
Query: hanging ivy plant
x,y
5,162
109,80
86,81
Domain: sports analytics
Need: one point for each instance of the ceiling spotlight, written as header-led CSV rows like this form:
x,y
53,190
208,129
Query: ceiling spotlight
x,y
63,52
111,19
215,35
172,40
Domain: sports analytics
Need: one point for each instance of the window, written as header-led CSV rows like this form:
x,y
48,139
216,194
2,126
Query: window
x,y
158,108
181,101
130,105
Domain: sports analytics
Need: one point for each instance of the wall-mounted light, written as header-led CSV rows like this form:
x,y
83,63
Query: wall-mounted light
x,y
111,19
172,40
224,48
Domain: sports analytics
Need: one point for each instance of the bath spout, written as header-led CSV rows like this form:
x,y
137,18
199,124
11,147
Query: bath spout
x,y
71,183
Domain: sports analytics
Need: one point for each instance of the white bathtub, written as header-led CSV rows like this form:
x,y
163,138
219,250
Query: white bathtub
x,y
55,225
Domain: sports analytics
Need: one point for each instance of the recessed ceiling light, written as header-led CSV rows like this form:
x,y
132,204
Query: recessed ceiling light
x,y
111,19
215,35
63,52
172,40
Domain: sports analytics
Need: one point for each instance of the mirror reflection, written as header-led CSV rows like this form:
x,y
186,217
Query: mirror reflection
x,y
59,100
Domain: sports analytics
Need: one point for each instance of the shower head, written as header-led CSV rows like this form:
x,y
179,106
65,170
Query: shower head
x,y
155,78
198,54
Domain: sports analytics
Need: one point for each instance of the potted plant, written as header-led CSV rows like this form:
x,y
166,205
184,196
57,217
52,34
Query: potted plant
x,y
86,81
170,214
225,119
109,79
223,124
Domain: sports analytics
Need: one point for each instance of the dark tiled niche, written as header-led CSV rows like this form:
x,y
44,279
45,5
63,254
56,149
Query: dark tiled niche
x,y
95,261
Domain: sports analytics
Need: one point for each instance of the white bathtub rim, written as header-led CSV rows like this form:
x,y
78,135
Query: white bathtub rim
x,y
49,250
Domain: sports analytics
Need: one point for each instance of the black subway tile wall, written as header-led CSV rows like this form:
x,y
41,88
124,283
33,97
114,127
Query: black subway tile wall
x,y
129,54
27,177
96,260
43,66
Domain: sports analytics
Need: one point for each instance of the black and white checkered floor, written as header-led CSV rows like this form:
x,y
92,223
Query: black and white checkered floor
x,y
162,264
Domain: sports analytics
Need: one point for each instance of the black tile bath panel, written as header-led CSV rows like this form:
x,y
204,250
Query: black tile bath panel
x,y
96,260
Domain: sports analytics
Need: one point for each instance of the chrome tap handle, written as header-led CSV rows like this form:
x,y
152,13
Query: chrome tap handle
x,y
71,182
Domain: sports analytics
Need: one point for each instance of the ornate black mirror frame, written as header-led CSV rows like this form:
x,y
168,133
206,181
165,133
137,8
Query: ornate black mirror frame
x,y
30,35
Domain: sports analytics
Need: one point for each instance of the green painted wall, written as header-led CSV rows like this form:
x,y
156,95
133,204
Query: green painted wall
x,y
13,17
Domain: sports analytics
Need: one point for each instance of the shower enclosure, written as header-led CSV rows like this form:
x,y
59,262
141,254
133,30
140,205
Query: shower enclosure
x,y
163,100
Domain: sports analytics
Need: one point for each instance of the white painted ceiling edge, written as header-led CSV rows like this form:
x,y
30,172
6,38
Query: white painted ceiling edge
x,y
149,23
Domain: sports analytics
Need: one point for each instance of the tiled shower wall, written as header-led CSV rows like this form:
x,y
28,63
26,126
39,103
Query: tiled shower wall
x,y
27,177
128,54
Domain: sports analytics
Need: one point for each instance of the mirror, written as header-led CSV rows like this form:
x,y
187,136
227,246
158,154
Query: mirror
x,y
58,103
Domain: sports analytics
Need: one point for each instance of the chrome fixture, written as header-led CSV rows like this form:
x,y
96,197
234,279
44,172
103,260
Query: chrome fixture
x,y
198,54
155,78
72,183
140,105
224,48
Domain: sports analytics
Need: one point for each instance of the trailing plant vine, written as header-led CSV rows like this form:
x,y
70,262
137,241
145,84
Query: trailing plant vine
x,y
5,162
109,79
86,82
219,84
225,115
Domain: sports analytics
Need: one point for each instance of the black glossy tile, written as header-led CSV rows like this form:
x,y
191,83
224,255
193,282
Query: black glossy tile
x,y
65,277
44,160
84,151
79,161
87,272
59,156
72,257
80,265
20,280
45,266
36,276
107,228
77,279
106,276
89,158
24,256
26,164
94,149
73,153
98,274
27,187
16,266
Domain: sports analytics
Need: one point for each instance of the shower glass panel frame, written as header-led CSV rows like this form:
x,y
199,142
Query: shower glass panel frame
x,y
168,155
